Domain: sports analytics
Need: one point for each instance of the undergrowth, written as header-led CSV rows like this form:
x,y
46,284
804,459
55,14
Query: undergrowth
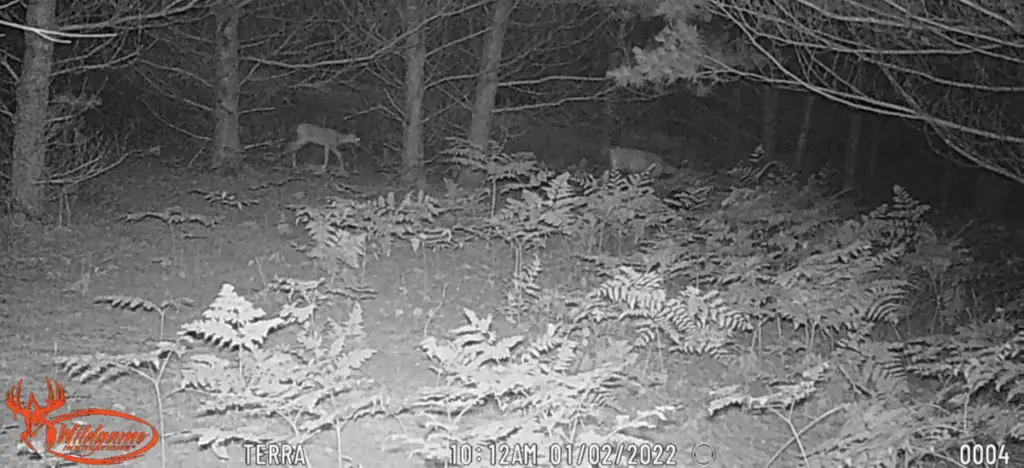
x,y
763,266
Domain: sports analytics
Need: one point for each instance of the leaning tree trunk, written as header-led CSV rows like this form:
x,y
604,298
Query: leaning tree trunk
x,y
852,159
487,85
227,146
32,116
871,182
799,162
738,114
770,122
415,90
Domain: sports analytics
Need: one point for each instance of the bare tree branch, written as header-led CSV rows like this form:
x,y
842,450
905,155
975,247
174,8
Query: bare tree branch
x,y
923,61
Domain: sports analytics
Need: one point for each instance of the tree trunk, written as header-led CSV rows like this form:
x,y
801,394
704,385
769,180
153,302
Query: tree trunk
x,y
227,146
740,117
415,61
770,122
799,164
852,153
487,85
32,116
872,180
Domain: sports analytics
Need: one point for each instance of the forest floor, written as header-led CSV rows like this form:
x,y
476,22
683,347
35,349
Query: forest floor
x,y
49,278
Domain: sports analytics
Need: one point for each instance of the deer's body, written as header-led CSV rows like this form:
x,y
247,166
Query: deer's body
x,y
330,140
632,160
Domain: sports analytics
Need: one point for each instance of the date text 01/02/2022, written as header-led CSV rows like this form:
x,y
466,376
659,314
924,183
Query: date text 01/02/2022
x,y
569,454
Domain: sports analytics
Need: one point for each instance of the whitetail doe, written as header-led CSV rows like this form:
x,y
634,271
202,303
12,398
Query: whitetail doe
x,y
330,140
632,160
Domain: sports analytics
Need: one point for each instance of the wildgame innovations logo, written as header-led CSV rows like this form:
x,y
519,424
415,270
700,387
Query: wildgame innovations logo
x,y
89,436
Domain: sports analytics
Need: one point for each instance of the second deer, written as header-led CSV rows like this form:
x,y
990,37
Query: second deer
x,y
329,139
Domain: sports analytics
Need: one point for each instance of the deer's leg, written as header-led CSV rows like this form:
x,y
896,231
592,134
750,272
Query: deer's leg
x,y
292,149
341,160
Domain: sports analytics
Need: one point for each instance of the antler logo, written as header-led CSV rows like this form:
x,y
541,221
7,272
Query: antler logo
x,y
36,415
80,436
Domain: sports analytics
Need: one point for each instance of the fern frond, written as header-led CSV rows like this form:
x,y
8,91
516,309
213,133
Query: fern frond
x,y
233,322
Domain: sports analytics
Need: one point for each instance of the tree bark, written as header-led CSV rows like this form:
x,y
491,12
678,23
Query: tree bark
x,y
736,106
872,179
852,152
770,122
32,117
799,164
415,89
227,145
487,85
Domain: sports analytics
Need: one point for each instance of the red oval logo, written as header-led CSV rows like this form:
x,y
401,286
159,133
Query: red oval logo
x,y
81,437
80,440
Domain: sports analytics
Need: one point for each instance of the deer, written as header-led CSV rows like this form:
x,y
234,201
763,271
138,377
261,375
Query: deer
x,y
632,160
329,139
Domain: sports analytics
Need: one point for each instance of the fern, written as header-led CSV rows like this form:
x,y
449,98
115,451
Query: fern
x,y
150,365
409,219
105,367
538,400
840,289
336,242
619,205
496,165
758,170
312,384
782,398
529,221
526,301
343,230
233,322
695,322
878,435
524,290
878,370
172,216
225,198
975,357
897,226
827,181
490,159
138,303
690,199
